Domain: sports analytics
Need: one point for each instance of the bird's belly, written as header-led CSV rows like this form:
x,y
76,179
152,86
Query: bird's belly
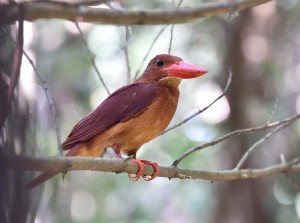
x,y
139,131
147,125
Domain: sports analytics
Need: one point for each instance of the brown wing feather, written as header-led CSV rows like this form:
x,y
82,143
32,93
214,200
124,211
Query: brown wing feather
x,y
120,106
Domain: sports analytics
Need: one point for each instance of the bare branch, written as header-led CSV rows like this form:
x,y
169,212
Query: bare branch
x,y
68,2
172,27
81,13
153,43
273,125
171,38
47,93
50,101
117,165
80,2
117,6
16,66
91,58
205,108
17,57
127,37
256,144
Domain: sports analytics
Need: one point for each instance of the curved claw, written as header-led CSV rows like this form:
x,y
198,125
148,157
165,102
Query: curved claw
x,y
138,174
155,167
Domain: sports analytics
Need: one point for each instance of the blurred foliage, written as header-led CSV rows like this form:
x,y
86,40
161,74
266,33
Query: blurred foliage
x,y
268,39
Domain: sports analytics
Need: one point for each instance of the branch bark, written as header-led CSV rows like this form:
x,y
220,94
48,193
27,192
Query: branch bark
x,y
117,165
82,13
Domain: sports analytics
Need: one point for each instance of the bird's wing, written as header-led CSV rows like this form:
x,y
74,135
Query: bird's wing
x,y
120,106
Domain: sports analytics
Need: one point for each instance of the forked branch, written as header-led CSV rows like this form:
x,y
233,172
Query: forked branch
x,y
272,125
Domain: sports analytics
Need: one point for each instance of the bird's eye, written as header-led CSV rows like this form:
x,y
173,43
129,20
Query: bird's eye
x,y
160,63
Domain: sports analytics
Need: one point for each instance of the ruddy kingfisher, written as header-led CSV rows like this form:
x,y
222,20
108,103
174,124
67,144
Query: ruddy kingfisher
x,y
131,116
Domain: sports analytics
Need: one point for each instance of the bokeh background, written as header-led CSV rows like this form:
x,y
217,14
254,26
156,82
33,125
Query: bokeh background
x,y
260,45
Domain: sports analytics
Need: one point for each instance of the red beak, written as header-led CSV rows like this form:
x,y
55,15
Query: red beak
x,y
184,70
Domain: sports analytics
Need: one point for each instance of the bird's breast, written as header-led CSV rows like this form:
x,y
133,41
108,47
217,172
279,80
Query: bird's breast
x,y
150,123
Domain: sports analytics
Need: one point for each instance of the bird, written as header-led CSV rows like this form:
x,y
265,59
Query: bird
x,y
131,116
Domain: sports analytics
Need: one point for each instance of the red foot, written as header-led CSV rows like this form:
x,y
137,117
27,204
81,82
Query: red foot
x,y
155,167
140,171
141,164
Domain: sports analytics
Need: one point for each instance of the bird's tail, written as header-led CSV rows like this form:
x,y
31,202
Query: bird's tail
x,y
40,179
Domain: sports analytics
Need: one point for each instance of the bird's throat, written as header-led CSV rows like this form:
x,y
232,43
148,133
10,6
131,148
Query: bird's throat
x,y
170,82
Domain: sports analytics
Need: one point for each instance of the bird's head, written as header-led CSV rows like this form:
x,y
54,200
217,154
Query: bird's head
x,y
168,68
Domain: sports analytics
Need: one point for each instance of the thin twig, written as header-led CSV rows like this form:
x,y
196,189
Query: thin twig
x,y
296,160
55,10
81,2
50,101
91,58
149,50
17,57
229,79
171,38
256,144
118,165
70,2
16,66
152,44
127,37
293,182
172,28
117,7
237,133
49,98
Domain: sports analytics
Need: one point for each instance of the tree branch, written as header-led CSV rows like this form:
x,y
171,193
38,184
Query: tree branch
x,y
81,13
118,165
256,144
236,133
17,57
